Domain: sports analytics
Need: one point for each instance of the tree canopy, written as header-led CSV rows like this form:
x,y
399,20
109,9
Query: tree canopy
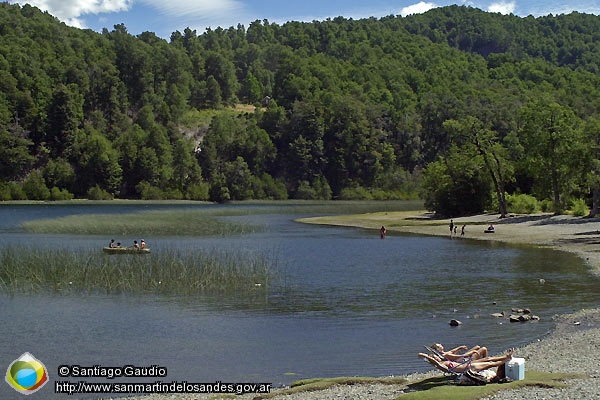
x,y
470,104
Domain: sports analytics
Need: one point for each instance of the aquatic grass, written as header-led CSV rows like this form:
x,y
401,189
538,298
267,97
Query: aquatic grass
x,y
172,272
148,223
202,221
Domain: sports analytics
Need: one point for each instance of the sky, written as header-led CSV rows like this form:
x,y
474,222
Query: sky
x,y
164,17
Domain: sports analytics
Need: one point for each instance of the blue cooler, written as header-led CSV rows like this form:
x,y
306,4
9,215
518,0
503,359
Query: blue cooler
x,y
515,369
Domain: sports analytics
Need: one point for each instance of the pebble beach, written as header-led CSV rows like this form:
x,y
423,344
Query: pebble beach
x,y
573,346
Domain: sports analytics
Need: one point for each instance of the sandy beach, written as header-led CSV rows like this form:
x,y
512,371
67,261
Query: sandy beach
x,y
573,347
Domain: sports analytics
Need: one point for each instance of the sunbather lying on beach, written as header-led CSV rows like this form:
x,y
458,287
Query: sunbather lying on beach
x,y
476,365
474,353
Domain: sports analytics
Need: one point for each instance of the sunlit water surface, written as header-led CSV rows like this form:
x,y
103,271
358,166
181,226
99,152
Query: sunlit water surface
x,y
342,303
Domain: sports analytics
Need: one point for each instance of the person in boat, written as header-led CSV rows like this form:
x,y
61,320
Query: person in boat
x,y
118,245
135,245
142,244
112,243
382,232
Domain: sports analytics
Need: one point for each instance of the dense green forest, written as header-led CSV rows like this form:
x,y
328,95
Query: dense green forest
x,y
464,108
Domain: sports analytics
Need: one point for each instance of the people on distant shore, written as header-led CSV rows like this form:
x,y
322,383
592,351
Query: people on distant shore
x,y
382,232
451,227
462,231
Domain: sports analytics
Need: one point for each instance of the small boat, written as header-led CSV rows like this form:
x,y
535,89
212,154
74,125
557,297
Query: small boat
x,y
125,250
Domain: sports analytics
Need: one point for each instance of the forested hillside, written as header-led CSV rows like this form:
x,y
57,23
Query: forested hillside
x,y
457,105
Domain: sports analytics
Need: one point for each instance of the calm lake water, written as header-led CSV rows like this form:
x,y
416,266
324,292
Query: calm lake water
x,y
343,303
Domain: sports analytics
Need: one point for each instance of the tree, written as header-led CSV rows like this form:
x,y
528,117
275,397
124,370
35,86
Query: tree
x,y
65,116
592,137
15,159
551,134
484,142
251,91
456,185
98,163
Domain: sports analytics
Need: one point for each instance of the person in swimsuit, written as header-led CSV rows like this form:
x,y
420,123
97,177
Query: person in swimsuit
x,y
474,353
476,365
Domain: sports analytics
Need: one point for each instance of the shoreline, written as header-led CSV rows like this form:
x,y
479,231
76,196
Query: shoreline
x,y
572,347
577,235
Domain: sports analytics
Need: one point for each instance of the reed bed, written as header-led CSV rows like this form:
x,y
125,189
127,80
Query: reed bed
x,y
203,221
172,272
150,223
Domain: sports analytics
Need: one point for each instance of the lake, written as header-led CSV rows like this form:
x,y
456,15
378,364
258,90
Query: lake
x,y
343,303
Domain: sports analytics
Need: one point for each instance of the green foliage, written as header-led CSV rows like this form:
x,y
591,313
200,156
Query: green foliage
x,y
198,191
149,192
485,103
16,191
356,193
35,187
97,193
522,204
456,185
579,208
546,205
59,173
267,188
60,194
15,159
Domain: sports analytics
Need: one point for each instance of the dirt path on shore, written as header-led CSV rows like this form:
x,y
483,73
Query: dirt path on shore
x,y
579,235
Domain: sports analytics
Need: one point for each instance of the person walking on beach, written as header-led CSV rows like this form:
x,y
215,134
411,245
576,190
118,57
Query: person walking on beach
x,y
451,227
462,231
382,232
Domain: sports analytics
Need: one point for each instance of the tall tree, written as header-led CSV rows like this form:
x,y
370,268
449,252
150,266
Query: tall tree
x,y
485,143
551,134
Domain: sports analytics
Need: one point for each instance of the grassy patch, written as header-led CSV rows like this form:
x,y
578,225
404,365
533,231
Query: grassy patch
x,y
29,269
148,223
438,388
202,221
374,220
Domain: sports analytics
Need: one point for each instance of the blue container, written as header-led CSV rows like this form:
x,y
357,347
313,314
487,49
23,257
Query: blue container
x,y
515,369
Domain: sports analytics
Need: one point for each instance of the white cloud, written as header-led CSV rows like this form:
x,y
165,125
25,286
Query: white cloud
x,y
195,8
502,7
418,8
69,11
